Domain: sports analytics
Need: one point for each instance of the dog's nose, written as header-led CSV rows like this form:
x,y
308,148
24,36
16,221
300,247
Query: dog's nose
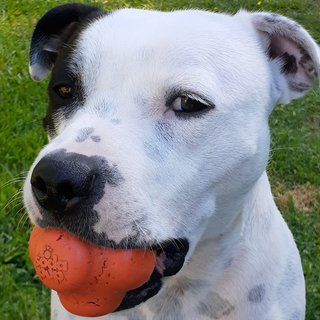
x,y
59,182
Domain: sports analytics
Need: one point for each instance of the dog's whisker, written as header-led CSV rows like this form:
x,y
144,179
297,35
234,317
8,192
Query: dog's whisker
x,y
23,219
19,210
142,230
16,197
12,181
174,243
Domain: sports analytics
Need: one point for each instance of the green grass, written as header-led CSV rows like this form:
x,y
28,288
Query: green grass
x,y
294,162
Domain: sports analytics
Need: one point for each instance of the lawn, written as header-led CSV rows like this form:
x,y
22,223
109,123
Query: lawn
x,y
293,168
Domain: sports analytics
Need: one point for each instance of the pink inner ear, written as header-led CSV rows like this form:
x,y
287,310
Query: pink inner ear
x,y
296,63
279,45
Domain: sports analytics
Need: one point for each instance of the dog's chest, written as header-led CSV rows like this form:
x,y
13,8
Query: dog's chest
x,y
182,299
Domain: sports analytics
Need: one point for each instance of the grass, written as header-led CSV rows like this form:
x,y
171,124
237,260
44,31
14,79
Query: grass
x,y
293,168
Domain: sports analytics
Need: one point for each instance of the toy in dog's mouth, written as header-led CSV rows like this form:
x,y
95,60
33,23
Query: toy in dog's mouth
x,y
94,281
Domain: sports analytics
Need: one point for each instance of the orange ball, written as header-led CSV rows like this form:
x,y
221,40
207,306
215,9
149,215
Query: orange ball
x,y
91,281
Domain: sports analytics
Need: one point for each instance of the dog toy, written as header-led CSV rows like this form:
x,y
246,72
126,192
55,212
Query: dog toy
x,y
90,280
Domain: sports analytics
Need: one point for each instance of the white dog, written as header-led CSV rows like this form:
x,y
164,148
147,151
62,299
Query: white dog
x,y
159,138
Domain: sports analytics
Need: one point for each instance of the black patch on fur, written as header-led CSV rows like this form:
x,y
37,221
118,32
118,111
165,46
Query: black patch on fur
x,y
57,26
161,142
295,315
291,277
227,264
184,285
299,87
272,18
257,294
62,24
115,121
84,134
215,307
289,64
95,138
164,131
63,108
140,101
167,306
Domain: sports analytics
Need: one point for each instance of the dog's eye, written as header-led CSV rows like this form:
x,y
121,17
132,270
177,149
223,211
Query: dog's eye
x,y
64,91
188,105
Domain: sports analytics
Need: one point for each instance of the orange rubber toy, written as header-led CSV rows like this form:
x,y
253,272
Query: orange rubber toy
x,y
91,281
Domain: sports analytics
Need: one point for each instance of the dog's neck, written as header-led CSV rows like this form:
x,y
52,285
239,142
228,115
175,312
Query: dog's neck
x,y
222,239
215,254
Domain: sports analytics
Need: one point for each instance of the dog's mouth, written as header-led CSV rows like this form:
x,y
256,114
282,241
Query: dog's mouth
x,y
170,257
169,260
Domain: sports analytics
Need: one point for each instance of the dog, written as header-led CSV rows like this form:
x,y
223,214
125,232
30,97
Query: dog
x,y
158,138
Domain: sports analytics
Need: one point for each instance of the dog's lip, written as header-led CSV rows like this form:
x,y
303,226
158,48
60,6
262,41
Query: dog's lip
x,y
170,257
160,246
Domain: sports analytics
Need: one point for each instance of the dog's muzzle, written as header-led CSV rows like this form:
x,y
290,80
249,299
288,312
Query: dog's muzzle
x,y
66,186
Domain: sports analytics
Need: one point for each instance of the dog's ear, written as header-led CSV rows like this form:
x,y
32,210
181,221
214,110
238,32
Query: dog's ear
x,y
294,54
54,29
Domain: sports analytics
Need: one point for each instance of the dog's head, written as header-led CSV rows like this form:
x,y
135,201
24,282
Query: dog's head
x,y
158,122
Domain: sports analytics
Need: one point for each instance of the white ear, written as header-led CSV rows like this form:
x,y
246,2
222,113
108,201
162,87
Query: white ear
x,y
294,55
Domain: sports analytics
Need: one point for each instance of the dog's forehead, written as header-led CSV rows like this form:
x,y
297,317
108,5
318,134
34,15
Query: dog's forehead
x,y
155,26
180,48
141,32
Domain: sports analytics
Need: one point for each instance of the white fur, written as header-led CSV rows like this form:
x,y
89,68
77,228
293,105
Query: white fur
x,y
209,184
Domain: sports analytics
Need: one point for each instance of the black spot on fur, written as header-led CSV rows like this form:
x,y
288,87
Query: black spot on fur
x,y
299,87
55,28
289,64
160,144
164,131
295,315
184,285
272,18
291,277
115,121
61,27
257,293
84,134
95,138
215,307
140,101
227,264
167,306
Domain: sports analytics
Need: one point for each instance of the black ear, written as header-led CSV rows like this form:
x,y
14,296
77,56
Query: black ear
x,y
294,55
54,29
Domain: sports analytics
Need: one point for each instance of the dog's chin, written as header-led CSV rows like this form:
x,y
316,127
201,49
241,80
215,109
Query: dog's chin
x,y
169,260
